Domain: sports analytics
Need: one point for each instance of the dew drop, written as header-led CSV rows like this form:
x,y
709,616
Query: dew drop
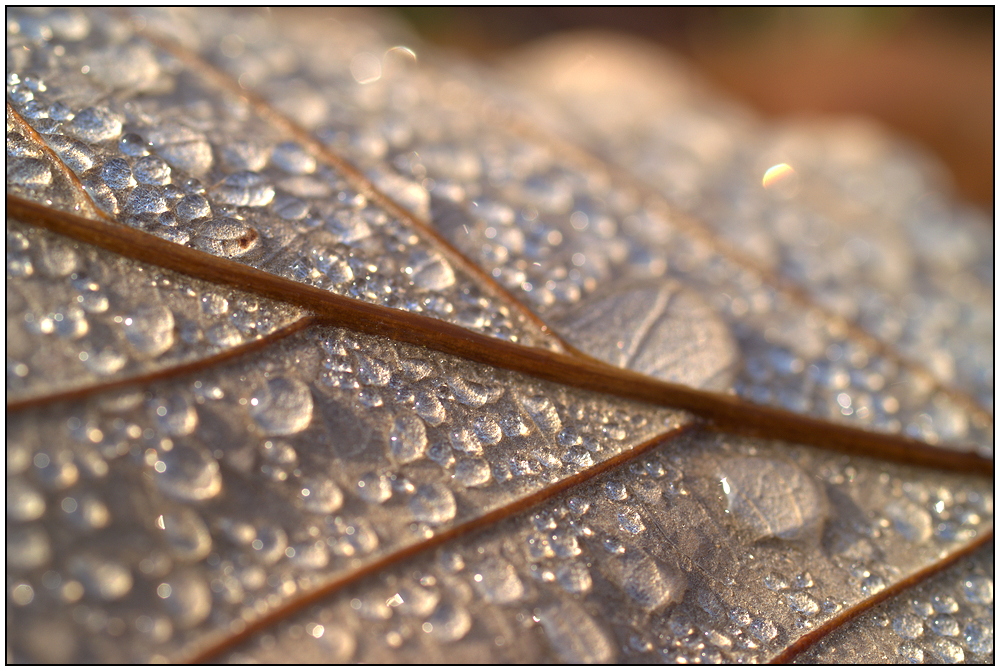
x,y
95,124
293,159
574,577
464,440
650,585
948,652
910,520
175,416
270,543
374,488
773,499
978,590
978,636
449,622
102,578
430,408
188,600
150,330
284,406
28,172
498,582
803,603
24,503
152,170
472,472
543,413
575,636
320,495
245,189
188,473
28,547
186,534
434,504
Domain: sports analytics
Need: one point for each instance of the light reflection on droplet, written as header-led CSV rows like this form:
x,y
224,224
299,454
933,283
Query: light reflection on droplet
x,y
781,179
366,68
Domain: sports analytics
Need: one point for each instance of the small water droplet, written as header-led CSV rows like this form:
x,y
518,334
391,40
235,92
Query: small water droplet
x,y
498,582
188,600
187,473
434,504
150,330
472,472
449,622
320,495
284,406
186,534
102,578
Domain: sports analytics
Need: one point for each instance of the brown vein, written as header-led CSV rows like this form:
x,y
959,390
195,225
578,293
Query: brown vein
x,y
481,522
808,640
163,373
355,177
723,411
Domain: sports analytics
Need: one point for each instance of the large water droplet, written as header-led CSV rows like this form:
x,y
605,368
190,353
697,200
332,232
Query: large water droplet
x,y
651,585
911,521
186,534
543,412
245,189
321,495
408,439
472,472
575,636
574,577
772,498
175,416
187,598
433,503
498,582
28,547
430,408
284,406
24,503
978,590
449,622
978,637
150,330
188,473
102,578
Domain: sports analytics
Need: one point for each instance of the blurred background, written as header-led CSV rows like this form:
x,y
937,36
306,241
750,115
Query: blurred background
x,y
927,72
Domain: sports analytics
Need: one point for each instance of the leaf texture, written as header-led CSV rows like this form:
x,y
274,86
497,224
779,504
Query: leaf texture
x,y
202,471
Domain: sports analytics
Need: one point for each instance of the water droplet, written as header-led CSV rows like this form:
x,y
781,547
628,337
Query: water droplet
x,y
321,495
244,155
24,503
187,473
28,172
311,555
574,577
616,490
434,504
948,652
944,625
944,603
186,534
978,590
417,601
872,585
374,488
284,406
430,408
95,124
763,630
630,521
472,472
146,199
498,582
978,637
651,585
56,471
185,149
245,189
293,159
27,547
908,625
910,653
175,416
772,498
575,636
910,520
270,543
430,271
464,440
188,599
449,622
151,170
543,412
802,602
150,330
102,578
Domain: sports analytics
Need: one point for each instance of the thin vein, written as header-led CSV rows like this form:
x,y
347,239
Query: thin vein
x,y
483,521
163,373
263,108
805,642
723,411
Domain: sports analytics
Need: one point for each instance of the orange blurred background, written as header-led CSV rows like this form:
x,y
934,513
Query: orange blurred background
x,y
927,72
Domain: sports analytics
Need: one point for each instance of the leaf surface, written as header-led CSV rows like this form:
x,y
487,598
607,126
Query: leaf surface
x,y
239,479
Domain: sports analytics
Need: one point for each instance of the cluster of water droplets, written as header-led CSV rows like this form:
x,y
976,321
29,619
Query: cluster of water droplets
x,y
948,619
217,177
218,497
78,315
679,556
555,228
